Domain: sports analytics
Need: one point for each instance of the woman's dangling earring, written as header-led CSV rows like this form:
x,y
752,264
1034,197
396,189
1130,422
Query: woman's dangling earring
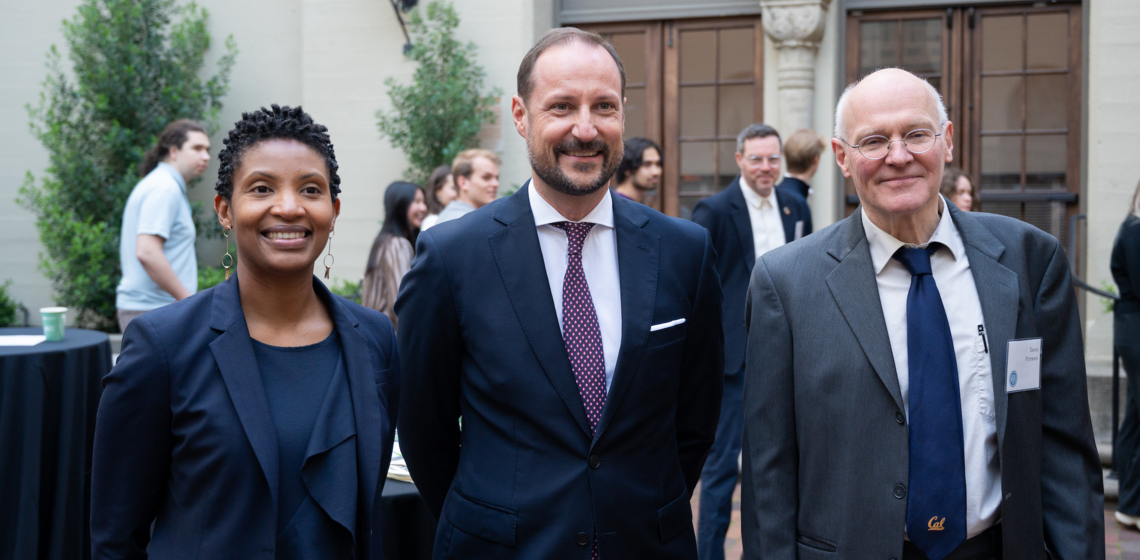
x,y
230,263
329,259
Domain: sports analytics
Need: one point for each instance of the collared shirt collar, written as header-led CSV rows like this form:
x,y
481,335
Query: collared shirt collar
x,y
753,198
884,245
545,214
173,173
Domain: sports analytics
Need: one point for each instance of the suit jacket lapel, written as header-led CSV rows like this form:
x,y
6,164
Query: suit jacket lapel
x,y
998,292
365,402
856,292
743,223
638,266
786,217
233,352
519,259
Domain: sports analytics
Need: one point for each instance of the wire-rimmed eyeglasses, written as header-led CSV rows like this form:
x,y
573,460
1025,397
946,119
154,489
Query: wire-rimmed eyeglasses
x,y
877,147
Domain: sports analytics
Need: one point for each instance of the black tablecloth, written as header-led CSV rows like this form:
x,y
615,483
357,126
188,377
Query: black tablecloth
x,y
409,528
49,394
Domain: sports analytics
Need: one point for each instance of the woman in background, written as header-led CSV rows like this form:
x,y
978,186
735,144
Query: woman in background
x,y
956,188
392,252
258,415
440,191
1125,266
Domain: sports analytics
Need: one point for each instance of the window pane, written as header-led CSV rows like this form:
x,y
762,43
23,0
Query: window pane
x,y
697,167
1049,216
1047,103
1048,41
687,205
879,45
1001,103
1011,209
1001,162
727,158
697,53
1045,161
1001,43
736,50
697,105
634,112
631,49
922,45
735,109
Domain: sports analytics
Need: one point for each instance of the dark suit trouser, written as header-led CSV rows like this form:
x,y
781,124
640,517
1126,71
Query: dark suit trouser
x,y
1126,453
721,471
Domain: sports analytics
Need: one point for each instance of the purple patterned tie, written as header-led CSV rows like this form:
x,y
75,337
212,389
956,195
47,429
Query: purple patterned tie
x,y
580,328
581,333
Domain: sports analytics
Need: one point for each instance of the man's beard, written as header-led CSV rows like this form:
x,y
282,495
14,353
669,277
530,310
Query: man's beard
x,y
552,174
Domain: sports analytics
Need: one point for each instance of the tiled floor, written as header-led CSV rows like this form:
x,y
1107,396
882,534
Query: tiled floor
x,y
1120,543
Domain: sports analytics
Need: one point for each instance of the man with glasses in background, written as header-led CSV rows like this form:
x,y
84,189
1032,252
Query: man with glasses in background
x,y
915,377
747,219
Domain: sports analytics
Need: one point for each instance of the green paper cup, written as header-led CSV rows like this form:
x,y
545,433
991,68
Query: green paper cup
x,y
53,319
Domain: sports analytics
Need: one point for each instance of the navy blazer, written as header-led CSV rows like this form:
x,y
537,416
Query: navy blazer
x,y
184,436
795,185
523,478
725,215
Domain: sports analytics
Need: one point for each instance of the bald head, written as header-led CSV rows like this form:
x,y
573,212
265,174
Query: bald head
x,y
887,86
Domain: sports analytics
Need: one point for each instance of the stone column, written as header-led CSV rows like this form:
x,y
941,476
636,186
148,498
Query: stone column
x,y
796,27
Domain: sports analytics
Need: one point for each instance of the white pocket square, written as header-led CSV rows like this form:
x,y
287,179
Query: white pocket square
x,y
666,325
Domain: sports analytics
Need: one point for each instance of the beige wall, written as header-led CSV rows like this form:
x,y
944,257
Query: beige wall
x,y
1113,122
330,56
27,31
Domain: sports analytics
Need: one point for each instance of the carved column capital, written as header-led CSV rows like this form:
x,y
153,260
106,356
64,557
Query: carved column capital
x,y
794,23
796,27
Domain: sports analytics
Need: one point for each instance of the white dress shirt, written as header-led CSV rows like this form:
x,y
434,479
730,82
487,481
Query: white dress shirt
x,y
599,263
951,271
764,213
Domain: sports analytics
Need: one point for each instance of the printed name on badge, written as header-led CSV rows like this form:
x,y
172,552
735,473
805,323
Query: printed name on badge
x,y
1023,365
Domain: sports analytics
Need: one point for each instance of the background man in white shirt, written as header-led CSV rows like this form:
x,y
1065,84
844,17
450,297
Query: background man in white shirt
x,y
476,174
911,301
747,219
578,335
156,244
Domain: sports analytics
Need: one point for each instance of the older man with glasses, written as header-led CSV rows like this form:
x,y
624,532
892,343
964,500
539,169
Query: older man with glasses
x,y
915,379
749,218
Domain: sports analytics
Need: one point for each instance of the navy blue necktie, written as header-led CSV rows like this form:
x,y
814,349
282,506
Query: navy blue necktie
x,y
936,507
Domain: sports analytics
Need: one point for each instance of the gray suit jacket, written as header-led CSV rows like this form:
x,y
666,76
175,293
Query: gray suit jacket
x,y
825,445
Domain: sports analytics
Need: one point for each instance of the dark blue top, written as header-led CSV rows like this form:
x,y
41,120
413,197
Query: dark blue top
x,y
296,381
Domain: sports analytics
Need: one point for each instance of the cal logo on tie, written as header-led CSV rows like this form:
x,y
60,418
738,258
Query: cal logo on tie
x,y
936,525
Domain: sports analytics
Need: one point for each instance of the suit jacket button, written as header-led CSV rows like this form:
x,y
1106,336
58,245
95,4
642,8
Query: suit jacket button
x,y
899,417
583,539
595,461
900,491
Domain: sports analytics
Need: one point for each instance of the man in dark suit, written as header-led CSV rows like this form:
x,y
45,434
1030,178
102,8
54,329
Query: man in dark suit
x,y
748,218
915,379
577,337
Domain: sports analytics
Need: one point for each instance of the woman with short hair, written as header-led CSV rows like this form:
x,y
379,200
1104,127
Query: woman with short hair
x,y
392,251
257,416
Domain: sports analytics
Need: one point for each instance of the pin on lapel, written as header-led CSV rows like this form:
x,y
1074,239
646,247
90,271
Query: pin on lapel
x,y
787,211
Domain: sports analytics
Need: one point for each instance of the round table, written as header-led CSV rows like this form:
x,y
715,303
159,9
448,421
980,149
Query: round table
x,y
49,394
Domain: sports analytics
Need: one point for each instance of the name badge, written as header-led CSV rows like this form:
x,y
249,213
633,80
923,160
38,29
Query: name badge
x,y
1023,365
